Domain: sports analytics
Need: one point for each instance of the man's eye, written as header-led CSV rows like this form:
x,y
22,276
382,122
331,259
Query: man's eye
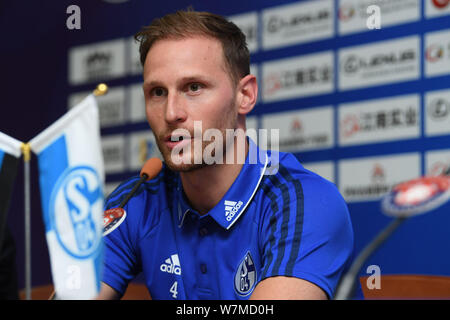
x,y
194,87
158,92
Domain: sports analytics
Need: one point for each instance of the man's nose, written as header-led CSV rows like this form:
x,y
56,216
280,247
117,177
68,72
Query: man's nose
x,y
175,109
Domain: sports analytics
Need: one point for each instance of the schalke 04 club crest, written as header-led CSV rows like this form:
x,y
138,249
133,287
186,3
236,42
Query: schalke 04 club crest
x,y
76,210
245,276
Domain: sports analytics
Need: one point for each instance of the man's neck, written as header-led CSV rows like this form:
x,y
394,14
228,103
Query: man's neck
x,y
205,187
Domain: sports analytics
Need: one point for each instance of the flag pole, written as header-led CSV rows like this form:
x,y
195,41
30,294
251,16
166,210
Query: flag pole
x,y
26,165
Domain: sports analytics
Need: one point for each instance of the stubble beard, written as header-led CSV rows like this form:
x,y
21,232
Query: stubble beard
x,y
229,121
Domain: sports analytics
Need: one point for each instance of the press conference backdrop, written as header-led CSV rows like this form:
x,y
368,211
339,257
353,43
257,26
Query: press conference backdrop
x,y
365,108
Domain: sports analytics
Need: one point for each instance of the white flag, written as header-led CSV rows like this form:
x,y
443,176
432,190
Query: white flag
x,y
9,145
71,178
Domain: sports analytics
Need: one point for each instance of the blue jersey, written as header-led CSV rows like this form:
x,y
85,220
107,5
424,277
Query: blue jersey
x,y
293,223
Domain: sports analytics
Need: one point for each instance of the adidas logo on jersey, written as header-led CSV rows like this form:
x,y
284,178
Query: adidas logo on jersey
x,y
171,265
231,207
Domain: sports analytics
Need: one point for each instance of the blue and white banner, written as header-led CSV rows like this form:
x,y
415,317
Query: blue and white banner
x,y
71,177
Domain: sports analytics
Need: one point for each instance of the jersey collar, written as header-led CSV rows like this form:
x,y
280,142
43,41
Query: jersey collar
x,y
238,197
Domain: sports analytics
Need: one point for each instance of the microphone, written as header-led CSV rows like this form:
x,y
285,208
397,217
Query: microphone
x,y
150,170
112,218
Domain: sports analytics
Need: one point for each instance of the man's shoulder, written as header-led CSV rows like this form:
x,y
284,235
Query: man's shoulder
x,y
287,168
300,193
288,174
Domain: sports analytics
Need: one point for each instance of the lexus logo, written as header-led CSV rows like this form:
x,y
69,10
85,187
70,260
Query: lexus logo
x,y
354,63
351,65
439,109
277,23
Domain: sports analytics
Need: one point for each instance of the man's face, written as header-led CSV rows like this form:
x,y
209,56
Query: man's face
x,y
185,80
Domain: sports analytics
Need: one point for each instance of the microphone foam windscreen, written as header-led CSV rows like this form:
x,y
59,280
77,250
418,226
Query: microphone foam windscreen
x,y
151,168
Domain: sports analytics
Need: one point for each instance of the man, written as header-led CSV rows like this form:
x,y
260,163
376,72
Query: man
x,y
226,230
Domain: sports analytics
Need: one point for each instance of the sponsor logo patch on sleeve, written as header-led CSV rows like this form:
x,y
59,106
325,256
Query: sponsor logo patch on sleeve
x,y
112,218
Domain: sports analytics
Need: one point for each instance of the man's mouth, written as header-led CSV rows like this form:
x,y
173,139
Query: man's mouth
x,y
176,140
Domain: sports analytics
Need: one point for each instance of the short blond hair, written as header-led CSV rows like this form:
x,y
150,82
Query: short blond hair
x,y
184,24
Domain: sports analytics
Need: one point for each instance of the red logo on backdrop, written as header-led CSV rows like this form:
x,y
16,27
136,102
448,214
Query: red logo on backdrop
x,y
350,125
346,12
272,84
417,196
378,172
296,125
441,3
434,52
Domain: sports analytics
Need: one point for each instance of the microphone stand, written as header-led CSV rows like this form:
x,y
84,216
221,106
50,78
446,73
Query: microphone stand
x,y
144,177
347,285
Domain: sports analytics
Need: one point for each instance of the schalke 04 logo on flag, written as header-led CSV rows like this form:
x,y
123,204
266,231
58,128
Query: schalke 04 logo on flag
x,y
74,199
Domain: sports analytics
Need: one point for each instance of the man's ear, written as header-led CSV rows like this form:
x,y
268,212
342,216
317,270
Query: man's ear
x,y
247,94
